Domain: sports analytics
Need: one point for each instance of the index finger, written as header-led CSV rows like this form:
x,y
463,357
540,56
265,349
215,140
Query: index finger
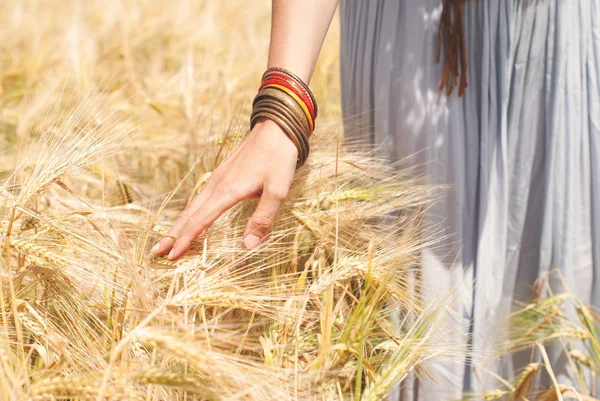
x,y
200,220
166,243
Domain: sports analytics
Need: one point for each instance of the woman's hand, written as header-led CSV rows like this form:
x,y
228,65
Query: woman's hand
x,y
263,166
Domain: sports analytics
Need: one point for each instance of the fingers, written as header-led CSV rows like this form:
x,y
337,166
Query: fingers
x,y
261,221
201,219
242,176
166,243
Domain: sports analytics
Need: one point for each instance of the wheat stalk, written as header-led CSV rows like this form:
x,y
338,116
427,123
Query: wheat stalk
x,y
524,381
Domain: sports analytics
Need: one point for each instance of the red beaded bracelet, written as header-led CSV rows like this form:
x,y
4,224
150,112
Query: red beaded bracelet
x,y
298,101
281,72
291,85
285,99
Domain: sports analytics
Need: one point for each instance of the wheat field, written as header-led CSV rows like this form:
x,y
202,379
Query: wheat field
x,y
113,114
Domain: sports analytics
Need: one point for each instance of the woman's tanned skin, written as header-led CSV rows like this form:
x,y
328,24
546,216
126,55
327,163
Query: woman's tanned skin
x,y
264,164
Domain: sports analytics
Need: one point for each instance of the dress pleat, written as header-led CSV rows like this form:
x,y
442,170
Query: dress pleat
x,y
520,152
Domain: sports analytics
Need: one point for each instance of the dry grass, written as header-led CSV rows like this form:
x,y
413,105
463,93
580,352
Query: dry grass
x,y
112,114
557,321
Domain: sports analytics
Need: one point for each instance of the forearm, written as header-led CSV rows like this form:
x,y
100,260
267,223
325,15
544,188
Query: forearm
x,y
298,29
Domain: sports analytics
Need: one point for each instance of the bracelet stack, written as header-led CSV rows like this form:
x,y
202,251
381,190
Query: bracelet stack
x,y
286,99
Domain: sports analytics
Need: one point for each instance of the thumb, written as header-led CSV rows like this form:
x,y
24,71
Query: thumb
x,y
261,221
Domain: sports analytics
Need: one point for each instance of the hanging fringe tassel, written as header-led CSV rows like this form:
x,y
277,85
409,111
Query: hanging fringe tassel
x,y
451,37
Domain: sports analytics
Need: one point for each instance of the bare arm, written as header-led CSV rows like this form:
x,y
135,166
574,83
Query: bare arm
x,y
298,29
264,164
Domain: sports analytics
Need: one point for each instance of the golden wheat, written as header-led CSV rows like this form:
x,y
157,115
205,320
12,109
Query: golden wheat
x,y
113,115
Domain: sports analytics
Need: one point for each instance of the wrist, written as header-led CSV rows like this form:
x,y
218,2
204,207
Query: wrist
x,y
287,101
268,130
263,124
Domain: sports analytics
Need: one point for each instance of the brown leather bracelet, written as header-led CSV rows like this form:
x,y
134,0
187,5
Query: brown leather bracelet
x,y
291,106
285,99
284,113
282,101
277,118
281,96
298,80
291,131
294,110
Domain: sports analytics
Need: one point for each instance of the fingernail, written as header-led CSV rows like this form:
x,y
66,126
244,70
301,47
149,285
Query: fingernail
x,y
170,257
251,241
155,248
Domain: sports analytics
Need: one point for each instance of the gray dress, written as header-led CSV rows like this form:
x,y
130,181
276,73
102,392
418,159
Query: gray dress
x,y
520,151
